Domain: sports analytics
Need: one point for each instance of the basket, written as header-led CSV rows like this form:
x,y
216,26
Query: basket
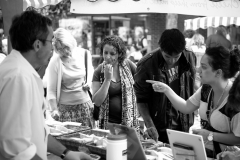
x,y
75,129
73,145
96,150
96,132
70,144
92,146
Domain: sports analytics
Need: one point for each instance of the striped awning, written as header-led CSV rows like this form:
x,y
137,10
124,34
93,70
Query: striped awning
x,y
205,22
39,3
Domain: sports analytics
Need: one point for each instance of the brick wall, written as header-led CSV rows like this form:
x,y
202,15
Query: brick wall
x,y
155,24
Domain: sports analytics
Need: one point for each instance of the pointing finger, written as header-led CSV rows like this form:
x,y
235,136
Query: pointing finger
x,y
151,81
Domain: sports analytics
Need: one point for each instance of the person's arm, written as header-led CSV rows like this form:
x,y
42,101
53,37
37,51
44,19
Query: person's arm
x,y
229,155
15,118
151,129
145,43
229,138
52,80
90,69
144,112
100,91
143,92
226,138
178,102
57,149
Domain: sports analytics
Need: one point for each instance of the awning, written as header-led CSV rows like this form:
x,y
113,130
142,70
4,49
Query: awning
x,y
39,3
12,7
228,8
205,22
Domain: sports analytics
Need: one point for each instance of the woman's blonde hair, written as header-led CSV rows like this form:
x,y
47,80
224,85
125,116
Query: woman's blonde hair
x,y
65,39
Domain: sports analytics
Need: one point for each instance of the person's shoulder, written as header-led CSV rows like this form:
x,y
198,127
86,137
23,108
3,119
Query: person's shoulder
x,y
13,72
188,53
130,62
147,58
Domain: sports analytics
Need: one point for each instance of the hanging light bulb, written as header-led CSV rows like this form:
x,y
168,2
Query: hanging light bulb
x,y
92,0
216,0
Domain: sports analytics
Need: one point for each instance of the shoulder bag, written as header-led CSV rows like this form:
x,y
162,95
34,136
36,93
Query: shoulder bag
x,y
95,109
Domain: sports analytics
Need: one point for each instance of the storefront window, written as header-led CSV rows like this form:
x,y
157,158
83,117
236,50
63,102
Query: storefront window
x,y
90,30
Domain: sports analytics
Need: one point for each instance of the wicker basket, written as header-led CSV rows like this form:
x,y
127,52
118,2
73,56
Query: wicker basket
x,y
96,132
73,145
75,129
96,150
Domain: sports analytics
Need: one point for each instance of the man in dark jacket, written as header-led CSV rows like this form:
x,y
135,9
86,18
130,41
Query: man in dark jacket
x,y
175,66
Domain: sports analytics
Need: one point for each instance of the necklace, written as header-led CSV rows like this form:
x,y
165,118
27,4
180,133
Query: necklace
x,y
221,95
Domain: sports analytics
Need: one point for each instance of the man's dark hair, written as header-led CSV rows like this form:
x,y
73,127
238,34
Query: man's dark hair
x,y
28,27
233,103
172,42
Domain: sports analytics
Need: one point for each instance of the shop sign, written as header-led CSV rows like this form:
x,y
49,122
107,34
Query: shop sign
x,y
227,8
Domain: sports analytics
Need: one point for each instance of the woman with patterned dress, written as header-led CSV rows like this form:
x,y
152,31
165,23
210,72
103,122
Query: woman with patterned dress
x,y
112,85
67,91
219,119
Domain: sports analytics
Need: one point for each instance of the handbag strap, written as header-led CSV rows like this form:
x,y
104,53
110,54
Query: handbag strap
x,y
86,64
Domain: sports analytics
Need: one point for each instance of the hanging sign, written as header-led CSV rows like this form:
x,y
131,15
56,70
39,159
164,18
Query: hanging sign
x,y
229,8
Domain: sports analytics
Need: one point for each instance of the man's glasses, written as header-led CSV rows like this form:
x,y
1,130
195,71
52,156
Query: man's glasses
x,y
44,40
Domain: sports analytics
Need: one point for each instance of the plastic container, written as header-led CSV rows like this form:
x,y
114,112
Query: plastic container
x,y
117,147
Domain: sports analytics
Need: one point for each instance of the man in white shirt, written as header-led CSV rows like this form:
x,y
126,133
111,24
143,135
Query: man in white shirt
x,y
23,134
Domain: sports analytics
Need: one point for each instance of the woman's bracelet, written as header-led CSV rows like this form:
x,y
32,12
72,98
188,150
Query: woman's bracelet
x,y
63,155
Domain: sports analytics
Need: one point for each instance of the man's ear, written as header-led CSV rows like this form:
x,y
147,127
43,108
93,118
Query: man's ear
x,y
37,45
219,73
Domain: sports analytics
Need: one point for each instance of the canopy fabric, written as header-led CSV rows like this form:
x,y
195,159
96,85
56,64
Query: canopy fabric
x,y
228,8
39,3
205,22
12,7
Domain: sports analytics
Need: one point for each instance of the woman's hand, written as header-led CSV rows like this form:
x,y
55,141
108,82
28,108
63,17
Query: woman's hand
x,y
55,114
108,72
202,132
86,87
227,155
158,86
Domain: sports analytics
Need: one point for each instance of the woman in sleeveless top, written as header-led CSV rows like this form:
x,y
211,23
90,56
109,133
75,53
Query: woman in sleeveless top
x,y
112,85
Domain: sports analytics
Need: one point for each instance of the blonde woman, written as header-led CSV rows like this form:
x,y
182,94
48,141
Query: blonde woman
x,y
67,90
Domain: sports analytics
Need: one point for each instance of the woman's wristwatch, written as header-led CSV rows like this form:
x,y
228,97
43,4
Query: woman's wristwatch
x,y
64,153
210,136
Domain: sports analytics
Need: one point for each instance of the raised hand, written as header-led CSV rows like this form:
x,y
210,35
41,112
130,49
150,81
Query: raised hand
x,y
108,72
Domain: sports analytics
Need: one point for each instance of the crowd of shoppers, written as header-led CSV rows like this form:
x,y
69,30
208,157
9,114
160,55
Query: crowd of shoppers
x,y
161,89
